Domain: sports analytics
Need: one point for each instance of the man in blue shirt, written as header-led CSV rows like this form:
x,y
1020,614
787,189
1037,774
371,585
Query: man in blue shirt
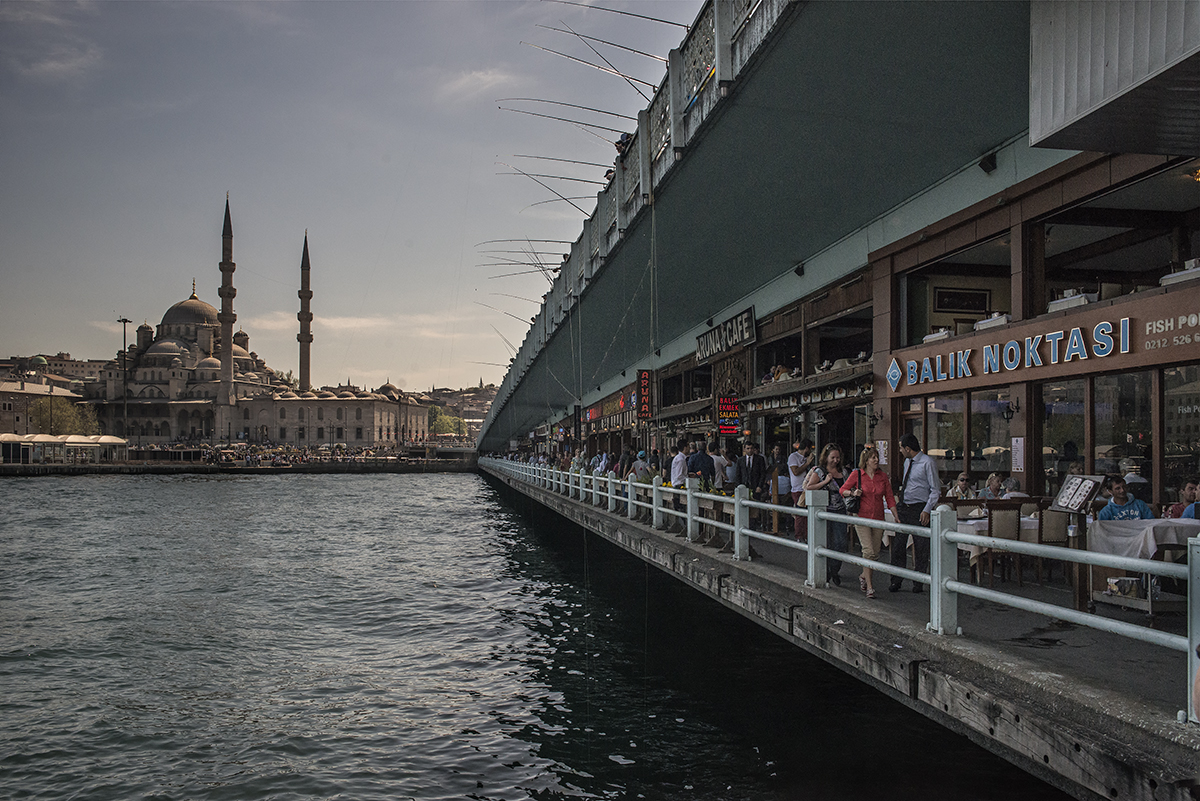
x,y
1122,506
918,495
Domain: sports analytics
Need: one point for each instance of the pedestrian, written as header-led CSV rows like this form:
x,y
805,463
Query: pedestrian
x,y
750,472
719,465
873,488
919,492
799,463
828,476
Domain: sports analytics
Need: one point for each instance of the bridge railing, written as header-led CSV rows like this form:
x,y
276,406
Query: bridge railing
x,y
661,503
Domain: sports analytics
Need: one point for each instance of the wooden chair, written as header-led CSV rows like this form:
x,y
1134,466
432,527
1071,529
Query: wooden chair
x,y
1052,530
1004,522
964,507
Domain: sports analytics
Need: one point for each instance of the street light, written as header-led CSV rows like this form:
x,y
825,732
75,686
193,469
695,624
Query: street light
x,y
125,321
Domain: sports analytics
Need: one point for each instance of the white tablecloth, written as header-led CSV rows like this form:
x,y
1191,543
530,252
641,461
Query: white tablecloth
x,y
1139,539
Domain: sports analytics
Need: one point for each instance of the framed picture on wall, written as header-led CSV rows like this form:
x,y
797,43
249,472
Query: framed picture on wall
x,y
947,300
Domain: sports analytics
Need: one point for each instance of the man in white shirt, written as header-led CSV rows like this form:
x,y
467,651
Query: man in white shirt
x,y
719,465
679,464
799,463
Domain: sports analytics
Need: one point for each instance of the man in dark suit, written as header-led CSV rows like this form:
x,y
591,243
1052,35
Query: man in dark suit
x,y
752,471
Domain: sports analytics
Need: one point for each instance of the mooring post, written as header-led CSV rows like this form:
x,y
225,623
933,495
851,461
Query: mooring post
x,y
943,566
612,491
741,519
814,501
693,509
656,519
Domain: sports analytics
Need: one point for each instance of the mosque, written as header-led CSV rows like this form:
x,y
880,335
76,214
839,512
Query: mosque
x,y
193,379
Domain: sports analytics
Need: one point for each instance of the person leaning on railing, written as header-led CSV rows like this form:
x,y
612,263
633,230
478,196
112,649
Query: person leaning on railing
x,y
873,488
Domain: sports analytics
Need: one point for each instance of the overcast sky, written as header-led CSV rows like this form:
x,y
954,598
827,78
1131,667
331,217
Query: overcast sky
x,y
372,125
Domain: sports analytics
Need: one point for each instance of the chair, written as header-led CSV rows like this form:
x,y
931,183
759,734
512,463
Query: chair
x,y
1052,530
1004,522
964,507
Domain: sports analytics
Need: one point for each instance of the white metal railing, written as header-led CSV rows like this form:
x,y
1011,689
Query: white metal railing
x,y
945,588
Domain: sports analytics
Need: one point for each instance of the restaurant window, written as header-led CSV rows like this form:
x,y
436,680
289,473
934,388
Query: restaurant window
x,y
1123,431
1063,414
1181,418
671,391
991,444
958,291
945,442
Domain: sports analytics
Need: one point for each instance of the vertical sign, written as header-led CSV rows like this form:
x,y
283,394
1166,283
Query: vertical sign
x,y
643,395
881,445
728,415
1018,455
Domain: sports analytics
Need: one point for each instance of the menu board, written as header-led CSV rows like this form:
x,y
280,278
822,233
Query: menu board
x,y
729,415
1077,494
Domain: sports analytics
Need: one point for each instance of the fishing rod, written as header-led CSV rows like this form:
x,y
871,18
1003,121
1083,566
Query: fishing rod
x,y
609,63
555,200
561,103
518,297
525,272
523,239
565,161
610,44
506,342
558,177
539,252
547,188
624,13
593,66
560,119
502,311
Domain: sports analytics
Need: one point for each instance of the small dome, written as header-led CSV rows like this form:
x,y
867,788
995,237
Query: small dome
x,y
308,395
211,363
250,376
39,361
192,311
363,395
145,327
346,394
176,362
289,395
325,394
167,347
239,352
387,388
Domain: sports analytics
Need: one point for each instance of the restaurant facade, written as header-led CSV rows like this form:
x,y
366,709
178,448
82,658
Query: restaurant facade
x,y
1049,330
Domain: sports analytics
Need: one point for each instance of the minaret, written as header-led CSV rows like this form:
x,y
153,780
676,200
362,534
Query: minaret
x,y
226,317
305,317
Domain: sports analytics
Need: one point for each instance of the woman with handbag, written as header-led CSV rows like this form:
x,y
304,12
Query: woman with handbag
x,y
828,475
871,487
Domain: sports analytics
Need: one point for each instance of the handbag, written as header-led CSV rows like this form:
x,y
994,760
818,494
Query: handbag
x,y
853,502
801,502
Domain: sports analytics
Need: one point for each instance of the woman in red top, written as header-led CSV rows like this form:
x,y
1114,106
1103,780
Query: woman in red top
x,y
873,487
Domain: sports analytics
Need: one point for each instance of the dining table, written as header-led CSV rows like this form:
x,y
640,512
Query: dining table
x,y
1139,539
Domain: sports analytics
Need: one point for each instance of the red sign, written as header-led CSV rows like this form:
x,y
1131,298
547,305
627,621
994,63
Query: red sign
x,y
643,395
728,415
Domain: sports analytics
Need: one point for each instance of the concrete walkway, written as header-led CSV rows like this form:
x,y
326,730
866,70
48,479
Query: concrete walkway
x,y
1092,713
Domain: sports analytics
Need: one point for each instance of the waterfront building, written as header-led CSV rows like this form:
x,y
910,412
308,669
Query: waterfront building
x,y
18,393
853,221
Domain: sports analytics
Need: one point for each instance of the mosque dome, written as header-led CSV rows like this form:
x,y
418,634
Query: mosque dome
x,y
240,353
288,395
39,361
308,395
192,311
168,347
346,394
363,395
388,388
250,376
211,363
325,394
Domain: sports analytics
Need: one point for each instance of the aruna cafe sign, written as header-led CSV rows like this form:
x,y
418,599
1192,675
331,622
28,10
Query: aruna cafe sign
x,y
1066,346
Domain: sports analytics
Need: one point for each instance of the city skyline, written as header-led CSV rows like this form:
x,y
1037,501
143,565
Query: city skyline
x,y
375,127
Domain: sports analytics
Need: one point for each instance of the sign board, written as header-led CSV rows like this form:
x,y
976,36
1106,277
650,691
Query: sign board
x,y
1018,455
737,330
643,395
729,415
1077,494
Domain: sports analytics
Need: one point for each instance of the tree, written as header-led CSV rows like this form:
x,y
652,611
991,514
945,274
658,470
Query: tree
x,y
59,415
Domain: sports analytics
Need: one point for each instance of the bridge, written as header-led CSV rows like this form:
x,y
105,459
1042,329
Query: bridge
x,y
977,223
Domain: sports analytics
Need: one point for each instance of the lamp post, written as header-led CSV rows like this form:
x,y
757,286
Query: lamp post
x,y
125,321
